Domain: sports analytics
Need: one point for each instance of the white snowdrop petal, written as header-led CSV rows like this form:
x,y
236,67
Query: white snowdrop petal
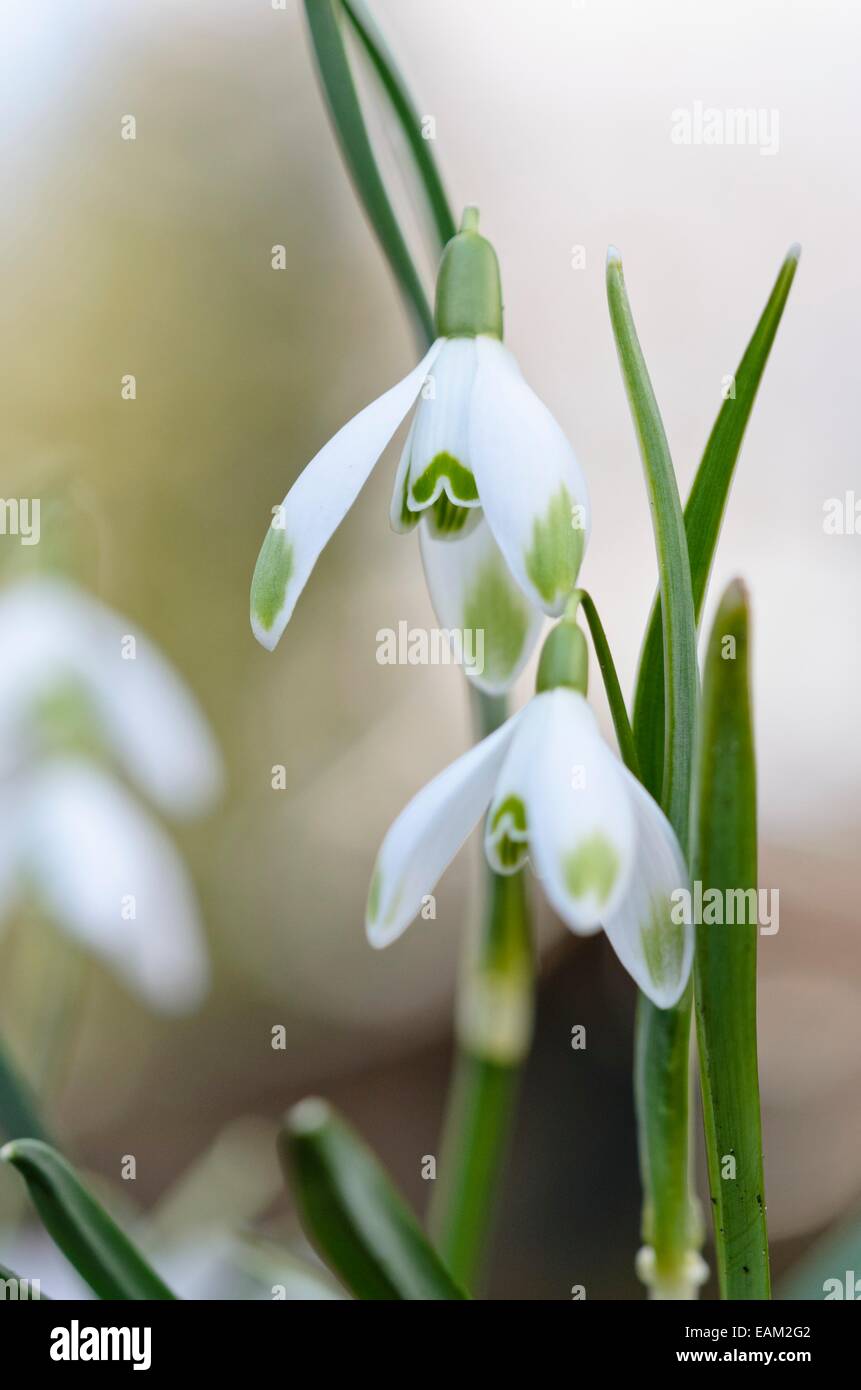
x,y
475,597
654,948
581,823
63,647
435,478
428,833
319,500
531,487
110,876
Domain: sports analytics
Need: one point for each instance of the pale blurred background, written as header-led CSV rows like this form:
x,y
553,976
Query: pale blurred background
x,y
153,257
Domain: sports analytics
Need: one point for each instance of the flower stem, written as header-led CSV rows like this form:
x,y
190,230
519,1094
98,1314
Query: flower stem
x,y
494,1030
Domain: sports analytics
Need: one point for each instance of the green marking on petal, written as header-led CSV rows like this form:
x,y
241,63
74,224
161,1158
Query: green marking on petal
x,y
271,577
448,518
512,806
509,851
663,943
374,895
553,561
461,483
591,868
495,606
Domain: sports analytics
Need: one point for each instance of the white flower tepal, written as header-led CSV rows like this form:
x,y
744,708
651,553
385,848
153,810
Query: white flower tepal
x,y
603,849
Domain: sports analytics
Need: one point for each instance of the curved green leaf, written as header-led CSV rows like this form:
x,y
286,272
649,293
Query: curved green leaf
x,y
703,516
19,1116
408,117
351,1212
89,1238
612,688
724,858
346,113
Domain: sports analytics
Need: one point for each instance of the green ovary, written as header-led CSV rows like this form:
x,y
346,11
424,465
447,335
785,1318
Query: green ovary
x,y
493,605
591,868
663,943
553,561
271,577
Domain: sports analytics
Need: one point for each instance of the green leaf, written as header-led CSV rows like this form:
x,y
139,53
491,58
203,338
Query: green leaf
x,y
407,115
346,113
88,1237
703,516
613,689
19,1116
662,1042
679,639
724,858
351,1212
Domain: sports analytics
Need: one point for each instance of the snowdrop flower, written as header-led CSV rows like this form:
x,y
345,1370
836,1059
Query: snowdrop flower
x,y
73,841
501,498
604,851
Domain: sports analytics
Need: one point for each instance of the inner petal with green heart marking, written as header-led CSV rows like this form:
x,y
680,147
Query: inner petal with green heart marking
x,y
592,868
508,832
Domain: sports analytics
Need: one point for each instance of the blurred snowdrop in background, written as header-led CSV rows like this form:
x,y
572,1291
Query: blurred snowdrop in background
x,y
81,692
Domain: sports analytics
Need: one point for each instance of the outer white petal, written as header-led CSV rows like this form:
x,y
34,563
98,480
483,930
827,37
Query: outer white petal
x,y
655,949
86,848
319,500
506,831
474,595
531,486
56,639
428,833
581,821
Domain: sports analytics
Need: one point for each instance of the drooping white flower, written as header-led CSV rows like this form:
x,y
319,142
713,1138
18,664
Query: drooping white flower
x,y
62,647
486,469
603,849
79,685
99,867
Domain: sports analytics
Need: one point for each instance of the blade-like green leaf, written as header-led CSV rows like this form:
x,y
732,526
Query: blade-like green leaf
x,y
408,117
324,22
703,516
89,1238
661,1068
613,689
724,858
679,640
19,1117
359,1223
